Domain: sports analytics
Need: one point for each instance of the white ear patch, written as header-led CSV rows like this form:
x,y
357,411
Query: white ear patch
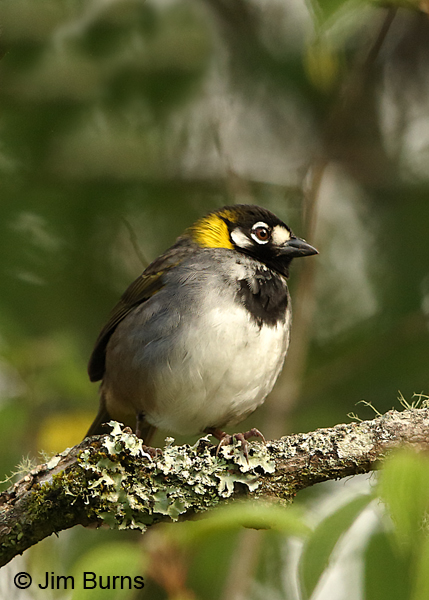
x,y
280,235
240,239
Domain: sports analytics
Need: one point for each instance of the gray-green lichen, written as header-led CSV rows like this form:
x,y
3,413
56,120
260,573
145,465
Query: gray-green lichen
x,y
179,480
353,447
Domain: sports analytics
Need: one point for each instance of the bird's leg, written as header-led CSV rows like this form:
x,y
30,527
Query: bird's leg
x,y
153,452
225,439
139,421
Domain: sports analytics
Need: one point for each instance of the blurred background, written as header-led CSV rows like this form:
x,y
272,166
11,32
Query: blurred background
x,y
121,122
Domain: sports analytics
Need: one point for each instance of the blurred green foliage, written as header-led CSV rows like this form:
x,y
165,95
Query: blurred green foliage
x,y
121,122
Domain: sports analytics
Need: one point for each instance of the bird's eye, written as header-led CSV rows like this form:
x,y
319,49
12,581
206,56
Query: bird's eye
x,y
261,234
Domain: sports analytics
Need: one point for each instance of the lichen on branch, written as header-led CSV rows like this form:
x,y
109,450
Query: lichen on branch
x,y
111,479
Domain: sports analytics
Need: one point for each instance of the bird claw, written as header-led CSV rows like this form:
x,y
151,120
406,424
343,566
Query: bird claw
x,y
225,439
153,452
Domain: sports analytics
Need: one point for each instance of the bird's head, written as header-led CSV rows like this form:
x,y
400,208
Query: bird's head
x,y
251,230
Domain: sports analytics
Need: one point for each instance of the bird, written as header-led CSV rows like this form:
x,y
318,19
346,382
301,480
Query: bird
x,y
197,341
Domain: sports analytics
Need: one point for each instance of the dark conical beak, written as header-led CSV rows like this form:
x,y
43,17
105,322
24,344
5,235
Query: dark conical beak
x,y
296,247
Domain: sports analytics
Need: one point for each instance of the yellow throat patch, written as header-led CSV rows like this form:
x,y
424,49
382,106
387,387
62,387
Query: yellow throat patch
x,y
212,232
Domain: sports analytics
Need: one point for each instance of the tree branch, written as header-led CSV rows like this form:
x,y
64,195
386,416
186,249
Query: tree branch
x,y
111,478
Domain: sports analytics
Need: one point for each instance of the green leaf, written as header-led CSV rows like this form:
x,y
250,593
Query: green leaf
x,y
97,568
421,584
386,570
404,486
242,514
317,551
325,9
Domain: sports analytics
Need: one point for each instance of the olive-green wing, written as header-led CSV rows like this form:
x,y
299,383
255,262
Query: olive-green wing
x,y
145,286
138,292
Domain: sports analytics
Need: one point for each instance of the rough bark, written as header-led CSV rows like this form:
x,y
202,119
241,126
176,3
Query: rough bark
x,y
112,479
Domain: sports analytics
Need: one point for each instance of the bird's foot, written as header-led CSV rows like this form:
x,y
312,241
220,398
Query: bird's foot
x,y
153,452
225,438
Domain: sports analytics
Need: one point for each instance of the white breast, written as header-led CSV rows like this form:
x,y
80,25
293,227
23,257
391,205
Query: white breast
x,y
219,371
